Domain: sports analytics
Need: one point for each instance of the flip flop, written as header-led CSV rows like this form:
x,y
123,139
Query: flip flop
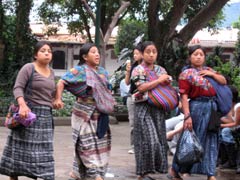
x,y
177,177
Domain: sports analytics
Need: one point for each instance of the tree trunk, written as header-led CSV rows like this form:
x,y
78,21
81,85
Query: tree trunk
x,y
1,37
23,39
162,31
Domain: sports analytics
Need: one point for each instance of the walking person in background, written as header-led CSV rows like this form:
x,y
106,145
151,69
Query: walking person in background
x,y
91,133
124,90
137,56
29,150
198,100
150,143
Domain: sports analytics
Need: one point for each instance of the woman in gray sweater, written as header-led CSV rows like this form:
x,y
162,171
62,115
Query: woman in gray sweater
x,y
29,150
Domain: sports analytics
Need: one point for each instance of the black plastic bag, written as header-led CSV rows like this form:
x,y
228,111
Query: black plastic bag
x,y
189,150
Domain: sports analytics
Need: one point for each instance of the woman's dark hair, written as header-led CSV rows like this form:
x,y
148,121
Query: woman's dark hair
x,y
138,47
84,51
147,43
191,49
39,45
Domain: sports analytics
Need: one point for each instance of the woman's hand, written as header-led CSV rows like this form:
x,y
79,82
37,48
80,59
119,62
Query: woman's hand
x,y
206,73
218,77
24,110
58,104
188,124
164,79
128,67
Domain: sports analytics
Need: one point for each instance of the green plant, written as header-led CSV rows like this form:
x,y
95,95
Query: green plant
x,y
229,69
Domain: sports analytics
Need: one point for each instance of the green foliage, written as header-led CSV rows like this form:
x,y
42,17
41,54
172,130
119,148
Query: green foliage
x,y
128,31
174,58
18,42
237,24
229,69
237,50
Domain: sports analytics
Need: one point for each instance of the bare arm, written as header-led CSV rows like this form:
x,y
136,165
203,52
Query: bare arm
x,y
218,77
186,111
170,134
236,122
128,75
227,119
58,97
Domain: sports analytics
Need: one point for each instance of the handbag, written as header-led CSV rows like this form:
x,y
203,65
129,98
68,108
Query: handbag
x,y
139,97
11,121
105,102
164,97
189,149
14,121
224,96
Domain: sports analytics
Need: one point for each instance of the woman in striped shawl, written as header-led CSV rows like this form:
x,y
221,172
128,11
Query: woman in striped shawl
x,y
91,133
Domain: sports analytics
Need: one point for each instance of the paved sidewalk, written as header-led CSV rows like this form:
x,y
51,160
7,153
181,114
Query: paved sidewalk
x,y
122,164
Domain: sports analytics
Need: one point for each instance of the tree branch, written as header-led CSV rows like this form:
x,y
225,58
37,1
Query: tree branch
x,y
171,21
201,19
124,5
88,9
153,20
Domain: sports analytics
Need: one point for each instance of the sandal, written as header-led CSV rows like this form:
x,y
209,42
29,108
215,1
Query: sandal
x,y
177,177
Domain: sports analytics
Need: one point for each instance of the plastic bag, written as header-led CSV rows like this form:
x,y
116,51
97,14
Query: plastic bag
x,y
189,150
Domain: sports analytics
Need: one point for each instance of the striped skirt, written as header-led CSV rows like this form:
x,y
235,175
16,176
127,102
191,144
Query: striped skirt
x,y
29,151
91,154
150,142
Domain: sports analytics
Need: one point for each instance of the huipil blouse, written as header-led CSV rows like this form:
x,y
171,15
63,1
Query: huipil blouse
x,y
192,83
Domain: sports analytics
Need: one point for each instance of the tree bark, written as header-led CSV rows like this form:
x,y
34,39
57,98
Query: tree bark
x,y
124,6
168,25
22,31
1,37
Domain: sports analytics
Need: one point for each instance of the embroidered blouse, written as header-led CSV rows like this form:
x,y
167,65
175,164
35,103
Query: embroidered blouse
x,y
76,80
191,83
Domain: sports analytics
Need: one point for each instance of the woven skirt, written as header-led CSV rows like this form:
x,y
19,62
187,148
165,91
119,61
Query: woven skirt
x,y
91,155
150,142
29,151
